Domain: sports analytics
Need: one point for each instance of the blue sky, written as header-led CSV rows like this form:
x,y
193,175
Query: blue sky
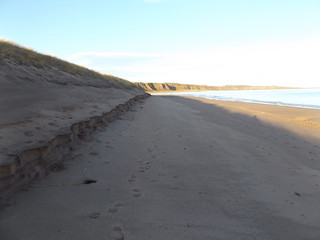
x,y
214,42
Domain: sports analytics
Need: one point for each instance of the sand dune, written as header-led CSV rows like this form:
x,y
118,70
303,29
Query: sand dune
x,y
182,168
39,104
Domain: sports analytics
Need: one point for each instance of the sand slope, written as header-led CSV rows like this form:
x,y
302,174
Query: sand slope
x,y
181,168
46,101
38,104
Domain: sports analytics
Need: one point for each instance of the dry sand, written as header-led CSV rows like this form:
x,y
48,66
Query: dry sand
x,y
182,168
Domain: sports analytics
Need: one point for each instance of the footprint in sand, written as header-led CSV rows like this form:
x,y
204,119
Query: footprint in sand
x,y
118,204
132,178
115,207
136,193
118,233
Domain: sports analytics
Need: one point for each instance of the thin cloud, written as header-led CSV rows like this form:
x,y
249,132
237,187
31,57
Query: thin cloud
x,y
111,54
114,61
281,63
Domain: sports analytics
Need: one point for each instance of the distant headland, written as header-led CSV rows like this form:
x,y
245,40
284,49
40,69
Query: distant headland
x,y
168,87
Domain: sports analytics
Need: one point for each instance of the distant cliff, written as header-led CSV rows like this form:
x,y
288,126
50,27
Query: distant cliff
x,y
168,87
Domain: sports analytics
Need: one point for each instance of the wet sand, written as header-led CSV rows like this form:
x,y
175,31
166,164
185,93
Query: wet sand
x,y
182,168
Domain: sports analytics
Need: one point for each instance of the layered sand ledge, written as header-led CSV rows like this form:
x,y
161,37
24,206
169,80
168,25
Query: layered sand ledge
x,y
182,168
21,164
45,110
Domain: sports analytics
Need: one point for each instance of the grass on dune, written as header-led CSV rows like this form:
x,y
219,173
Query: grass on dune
x,y
25,56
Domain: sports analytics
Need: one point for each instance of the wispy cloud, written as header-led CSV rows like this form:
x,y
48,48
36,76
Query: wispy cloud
x,y
111,54
281,63
115,62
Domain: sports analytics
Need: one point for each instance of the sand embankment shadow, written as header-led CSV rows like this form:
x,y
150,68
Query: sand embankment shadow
x,y
280,118
272,126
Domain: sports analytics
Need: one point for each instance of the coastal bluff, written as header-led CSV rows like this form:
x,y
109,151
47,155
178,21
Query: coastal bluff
x,y
46,106
177,87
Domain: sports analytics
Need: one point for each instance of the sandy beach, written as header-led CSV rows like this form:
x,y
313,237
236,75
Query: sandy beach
x,y
181,168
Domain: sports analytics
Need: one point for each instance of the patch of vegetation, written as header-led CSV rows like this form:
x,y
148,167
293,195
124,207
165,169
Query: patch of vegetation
x,y
24,56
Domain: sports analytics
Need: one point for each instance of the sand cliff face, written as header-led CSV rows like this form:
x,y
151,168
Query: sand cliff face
x,y
169,87
44,110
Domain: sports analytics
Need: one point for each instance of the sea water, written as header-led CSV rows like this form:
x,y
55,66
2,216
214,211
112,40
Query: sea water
x,y
306,98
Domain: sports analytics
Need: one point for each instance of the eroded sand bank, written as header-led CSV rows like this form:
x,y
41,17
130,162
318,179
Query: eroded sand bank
x,y
182,168
44,110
